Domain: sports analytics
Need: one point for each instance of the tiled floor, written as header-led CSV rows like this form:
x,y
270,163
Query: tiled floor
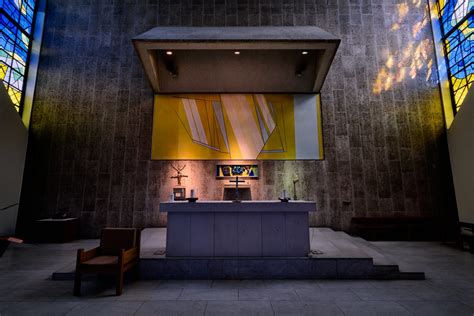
x,y
25,288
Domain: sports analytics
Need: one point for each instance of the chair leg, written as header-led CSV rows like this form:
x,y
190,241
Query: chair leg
x,y
119,286
77,283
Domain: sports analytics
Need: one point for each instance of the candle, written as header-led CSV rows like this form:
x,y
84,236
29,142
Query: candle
x,y
171,197
192,193
283,194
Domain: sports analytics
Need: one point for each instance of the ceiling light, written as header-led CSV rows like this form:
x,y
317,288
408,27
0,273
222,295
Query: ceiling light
x,y
236,52
169,53
304,53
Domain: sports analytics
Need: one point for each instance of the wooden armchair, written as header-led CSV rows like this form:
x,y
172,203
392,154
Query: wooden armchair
x,y
118,252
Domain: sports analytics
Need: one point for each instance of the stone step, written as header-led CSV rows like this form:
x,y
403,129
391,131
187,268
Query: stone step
x,y
245,268
334,244
373,251
350,243
338,256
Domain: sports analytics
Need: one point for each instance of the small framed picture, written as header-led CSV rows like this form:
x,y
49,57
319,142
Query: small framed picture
x,y
241,171
179,194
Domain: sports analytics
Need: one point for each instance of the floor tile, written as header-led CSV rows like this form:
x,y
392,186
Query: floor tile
x,y
188,284
291,284
344,284
239,308
105,308
267,294
209,294
372,308
454,282
225,284
150,295
438,308
33,294
386,294
305,308
37,308
327,295
170,308
402,284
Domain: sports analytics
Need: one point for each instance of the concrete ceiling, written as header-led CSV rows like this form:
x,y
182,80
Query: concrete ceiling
x,y
203,59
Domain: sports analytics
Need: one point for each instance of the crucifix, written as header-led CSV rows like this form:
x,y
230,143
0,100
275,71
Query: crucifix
x,y
179,175
237,181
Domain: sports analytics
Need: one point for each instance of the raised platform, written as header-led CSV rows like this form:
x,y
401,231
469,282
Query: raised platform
x,y
334,255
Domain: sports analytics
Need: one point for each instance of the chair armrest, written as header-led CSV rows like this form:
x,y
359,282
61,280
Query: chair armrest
x,y
84,255
130,254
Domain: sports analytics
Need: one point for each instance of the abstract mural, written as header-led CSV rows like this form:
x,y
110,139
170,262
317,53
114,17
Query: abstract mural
x,y
457,25
16,20
237,126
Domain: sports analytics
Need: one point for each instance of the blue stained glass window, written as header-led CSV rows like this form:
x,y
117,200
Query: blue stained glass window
x,y
16,27
457,28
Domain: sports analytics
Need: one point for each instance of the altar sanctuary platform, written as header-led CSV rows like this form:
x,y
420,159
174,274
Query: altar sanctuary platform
x,y
333,255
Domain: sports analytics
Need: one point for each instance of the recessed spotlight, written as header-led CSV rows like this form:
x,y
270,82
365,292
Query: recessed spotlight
x,y
169,52
304,53
236,52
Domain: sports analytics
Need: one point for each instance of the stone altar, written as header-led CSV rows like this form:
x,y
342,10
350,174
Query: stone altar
x,y
245,229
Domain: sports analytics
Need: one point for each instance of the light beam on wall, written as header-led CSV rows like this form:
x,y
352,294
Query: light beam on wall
x,y
410,61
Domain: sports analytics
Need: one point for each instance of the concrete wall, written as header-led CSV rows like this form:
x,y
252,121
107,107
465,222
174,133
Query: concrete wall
x,y
13,143
461,151
384,137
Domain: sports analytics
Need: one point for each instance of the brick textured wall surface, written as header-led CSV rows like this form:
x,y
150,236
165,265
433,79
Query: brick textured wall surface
x,y
90,139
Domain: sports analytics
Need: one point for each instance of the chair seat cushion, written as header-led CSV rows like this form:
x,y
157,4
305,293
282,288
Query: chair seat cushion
x,y
102,260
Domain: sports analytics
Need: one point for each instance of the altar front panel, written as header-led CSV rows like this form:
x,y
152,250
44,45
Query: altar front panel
x,y
237,229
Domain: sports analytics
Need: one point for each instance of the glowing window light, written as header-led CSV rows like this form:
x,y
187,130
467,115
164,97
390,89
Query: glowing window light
x,y
457,25
16,23
413,58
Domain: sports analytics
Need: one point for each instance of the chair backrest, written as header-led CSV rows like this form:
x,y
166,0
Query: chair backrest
x,y
114,239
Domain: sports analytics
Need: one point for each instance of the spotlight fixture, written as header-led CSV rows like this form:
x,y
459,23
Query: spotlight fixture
x,y
172,69
236,52
299,71
169,52
304,53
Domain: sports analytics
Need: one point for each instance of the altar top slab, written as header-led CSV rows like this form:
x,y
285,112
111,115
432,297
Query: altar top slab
x,y
244,206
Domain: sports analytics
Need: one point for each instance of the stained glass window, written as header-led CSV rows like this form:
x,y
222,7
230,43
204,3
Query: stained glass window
x,y
16,23
457,25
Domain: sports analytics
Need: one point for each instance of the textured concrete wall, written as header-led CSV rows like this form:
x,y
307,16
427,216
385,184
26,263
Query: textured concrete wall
x,y
91,126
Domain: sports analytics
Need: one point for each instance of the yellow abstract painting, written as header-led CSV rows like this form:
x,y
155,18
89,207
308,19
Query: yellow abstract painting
x,y
236,126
